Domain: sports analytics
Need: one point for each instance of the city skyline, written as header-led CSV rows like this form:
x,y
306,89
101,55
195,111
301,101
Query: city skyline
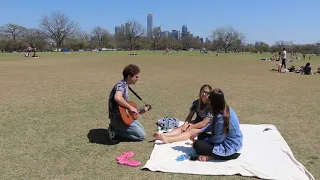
x,y
174,33
258,21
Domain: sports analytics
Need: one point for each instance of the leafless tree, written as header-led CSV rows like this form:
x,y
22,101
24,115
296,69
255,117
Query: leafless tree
x,y
196,43
120,40
156,38
280,44
187,42
58,27
133,32
101,37
226,37
165,42
35,38
12,31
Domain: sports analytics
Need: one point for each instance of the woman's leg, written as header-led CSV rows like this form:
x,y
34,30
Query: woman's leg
x,y
171,133
205,150
180,137
174,132
203,136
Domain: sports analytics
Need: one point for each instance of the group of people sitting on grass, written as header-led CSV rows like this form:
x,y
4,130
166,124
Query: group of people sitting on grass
x,y
306,69
216,125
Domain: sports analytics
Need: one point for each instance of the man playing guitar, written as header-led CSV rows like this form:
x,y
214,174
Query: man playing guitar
x,y
119,96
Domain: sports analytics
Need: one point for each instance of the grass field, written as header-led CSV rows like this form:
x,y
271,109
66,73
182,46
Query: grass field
x,y
49,105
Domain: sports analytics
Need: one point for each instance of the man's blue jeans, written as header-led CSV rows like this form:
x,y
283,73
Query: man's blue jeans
x,y
133,132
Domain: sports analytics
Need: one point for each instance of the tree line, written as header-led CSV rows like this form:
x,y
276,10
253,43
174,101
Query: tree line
x,y
57,31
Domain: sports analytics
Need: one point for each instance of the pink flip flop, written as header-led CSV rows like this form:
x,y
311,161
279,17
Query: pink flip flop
x,y
124,156
129,162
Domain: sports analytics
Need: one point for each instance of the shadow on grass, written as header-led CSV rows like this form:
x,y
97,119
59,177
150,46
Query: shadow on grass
x,y
100,136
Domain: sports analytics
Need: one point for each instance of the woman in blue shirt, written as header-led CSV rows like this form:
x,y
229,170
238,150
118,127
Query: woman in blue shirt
x,y
225,141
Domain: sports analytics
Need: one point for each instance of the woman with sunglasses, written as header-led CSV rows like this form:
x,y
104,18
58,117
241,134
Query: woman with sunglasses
x,y
225,141
190,127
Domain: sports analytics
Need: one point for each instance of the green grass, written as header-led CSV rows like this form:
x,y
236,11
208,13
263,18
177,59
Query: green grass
x,y
48,106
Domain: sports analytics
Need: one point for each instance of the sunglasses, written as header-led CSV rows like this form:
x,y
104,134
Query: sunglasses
x,y
205,93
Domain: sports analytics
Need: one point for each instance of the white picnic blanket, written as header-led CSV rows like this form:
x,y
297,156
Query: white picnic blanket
x,y
265,154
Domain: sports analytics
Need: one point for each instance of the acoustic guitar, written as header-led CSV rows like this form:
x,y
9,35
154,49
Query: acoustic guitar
x,y
128,117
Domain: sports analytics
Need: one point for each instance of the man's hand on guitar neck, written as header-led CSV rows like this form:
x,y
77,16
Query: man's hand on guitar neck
x,y
144,110
121,101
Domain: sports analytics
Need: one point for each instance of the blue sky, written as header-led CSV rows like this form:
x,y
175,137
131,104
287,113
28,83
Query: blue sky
x,y
267,21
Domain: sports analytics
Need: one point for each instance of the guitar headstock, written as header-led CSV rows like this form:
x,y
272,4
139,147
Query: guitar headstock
x,y
149,107
143,109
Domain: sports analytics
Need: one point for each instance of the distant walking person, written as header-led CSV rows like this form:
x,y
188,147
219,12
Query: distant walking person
x,y
284,58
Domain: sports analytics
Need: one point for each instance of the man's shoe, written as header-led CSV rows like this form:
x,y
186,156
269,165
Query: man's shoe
x,y
112,134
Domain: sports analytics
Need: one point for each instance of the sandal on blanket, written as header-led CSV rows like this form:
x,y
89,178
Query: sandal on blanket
x,y
129,162
124,156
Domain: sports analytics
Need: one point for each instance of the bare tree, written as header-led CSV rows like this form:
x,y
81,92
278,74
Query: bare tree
x,y
156,38
196,43
187,42
280,44
84,39
261,46
165,42
133,32
226,37
208,44
120,40
35,38
58,27
101,37
13,31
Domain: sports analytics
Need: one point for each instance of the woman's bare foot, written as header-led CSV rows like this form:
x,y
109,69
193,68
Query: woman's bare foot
x,y
160,136
166,139
205,158
157,136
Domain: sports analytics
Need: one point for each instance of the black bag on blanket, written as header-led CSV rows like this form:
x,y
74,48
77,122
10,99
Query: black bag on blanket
x,y
167,123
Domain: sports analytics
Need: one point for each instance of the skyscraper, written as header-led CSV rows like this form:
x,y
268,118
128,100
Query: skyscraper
x,y
127,28
175,35
117,29
184,31
122,28
149,25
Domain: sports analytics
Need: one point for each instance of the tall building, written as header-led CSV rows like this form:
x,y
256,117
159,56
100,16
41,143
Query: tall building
x,y
201,40
127,28
184,31
175,35
165,34
149,25
122,28
117,29
157,30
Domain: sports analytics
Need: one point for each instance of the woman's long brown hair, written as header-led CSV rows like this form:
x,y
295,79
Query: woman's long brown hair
x,y
219,106
201,89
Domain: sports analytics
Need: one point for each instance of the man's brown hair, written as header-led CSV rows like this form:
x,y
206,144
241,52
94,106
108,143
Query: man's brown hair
x,y
131,70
